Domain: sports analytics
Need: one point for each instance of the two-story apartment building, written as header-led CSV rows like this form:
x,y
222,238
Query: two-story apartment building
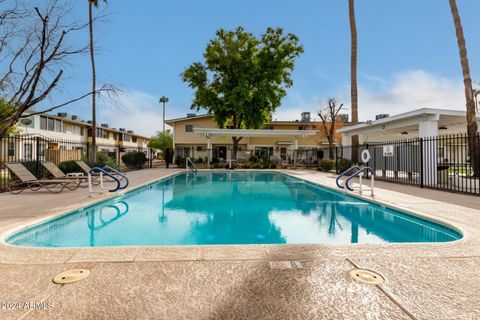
x,y
199,136
62,137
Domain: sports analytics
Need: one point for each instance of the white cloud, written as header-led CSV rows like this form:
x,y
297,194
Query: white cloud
x,y
412,90
134,110
404,92
141,112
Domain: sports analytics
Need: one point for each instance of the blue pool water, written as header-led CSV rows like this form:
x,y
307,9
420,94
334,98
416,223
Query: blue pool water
x,y
232,208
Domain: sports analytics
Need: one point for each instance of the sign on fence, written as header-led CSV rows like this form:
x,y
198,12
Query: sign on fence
x,y
388,150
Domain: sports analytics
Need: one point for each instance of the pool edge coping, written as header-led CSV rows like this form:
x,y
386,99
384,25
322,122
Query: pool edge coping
x,y
5,234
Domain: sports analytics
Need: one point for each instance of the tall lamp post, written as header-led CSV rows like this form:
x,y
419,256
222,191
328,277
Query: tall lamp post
x,y
164,100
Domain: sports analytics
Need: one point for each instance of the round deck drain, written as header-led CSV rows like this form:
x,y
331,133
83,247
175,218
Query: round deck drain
x,y
71,276
366,276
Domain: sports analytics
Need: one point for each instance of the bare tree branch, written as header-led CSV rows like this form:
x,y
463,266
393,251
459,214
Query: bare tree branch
x,y
34,49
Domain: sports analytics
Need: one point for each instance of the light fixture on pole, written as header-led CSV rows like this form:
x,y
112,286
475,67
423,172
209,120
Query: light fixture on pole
x,y
163,100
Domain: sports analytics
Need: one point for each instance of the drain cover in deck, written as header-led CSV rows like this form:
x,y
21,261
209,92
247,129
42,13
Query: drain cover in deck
x,y
71,276
281,265
366,276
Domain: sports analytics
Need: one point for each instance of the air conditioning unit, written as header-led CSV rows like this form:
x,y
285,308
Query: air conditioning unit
x,y
62,114
130,131
191,115
342,117
74,117
381,116
122,129
305,117
104,125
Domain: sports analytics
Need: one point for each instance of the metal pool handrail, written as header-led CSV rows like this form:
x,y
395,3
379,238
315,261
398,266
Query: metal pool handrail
x,y
193,168
118,173
360,175
104,172
337,181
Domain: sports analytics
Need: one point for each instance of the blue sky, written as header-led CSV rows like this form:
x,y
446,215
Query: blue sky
x,y
408,56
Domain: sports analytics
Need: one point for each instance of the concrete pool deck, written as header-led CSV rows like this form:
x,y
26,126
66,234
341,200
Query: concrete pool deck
x,y
422,281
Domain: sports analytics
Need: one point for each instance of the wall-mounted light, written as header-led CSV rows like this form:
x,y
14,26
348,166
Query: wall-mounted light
x,y
404,132
442,128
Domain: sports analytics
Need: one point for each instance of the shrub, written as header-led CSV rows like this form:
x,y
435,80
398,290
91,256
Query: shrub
x,y
69,166
326,165
180,162
344,164
134,160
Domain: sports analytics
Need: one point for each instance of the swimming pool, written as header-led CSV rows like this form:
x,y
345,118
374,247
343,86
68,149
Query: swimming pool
x,y
238,207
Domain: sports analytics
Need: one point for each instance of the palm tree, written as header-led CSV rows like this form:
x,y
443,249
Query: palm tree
x,y
91,4
472,127
353,75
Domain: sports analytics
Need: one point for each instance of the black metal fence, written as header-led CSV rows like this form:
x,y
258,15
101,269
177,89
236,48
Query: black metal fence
x,y
32,150
450,163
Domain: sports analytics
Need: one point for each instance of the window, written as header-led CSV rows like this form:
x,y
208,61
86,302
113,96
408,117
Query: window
x,y
134,139
264,151
59,126
186,152
230,127
50,124
301,128
11,149
199,148
189,128
126,137
43,123
101,133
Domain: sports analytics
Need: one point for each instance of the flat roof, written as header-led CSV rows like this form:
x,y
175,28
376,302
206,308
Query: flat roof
x,y
419,113
83,123
211,132
271,122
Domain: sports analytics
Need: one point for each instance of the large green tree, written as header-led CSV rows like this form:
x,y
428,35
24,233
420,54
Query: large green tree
x,y
243,78
161,141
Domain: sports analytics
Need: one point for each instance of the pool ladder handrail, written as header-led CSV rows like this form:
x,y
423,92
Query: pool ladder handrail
x,y
192,166
359,174
122,175
110,175
337,181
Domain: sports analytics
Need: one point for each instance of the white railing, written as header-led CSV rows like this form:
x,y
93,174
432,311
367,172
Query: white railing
x,y
189,165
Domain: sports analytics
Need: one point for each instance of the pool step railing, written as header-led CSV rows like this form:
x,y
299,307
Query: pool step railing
x,y
337,181
189,165
359,173
113,174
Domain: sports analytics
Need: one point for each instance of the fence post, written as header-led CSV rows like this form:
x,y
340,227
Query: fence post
x,y
166,157
37,156
336,159
88,152
421,163
151,156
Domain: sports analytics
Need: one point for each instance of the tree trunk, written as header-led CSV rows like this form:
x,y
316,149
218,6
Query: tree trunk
x,y
353,76
94,76
472,127
330,149
235,141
